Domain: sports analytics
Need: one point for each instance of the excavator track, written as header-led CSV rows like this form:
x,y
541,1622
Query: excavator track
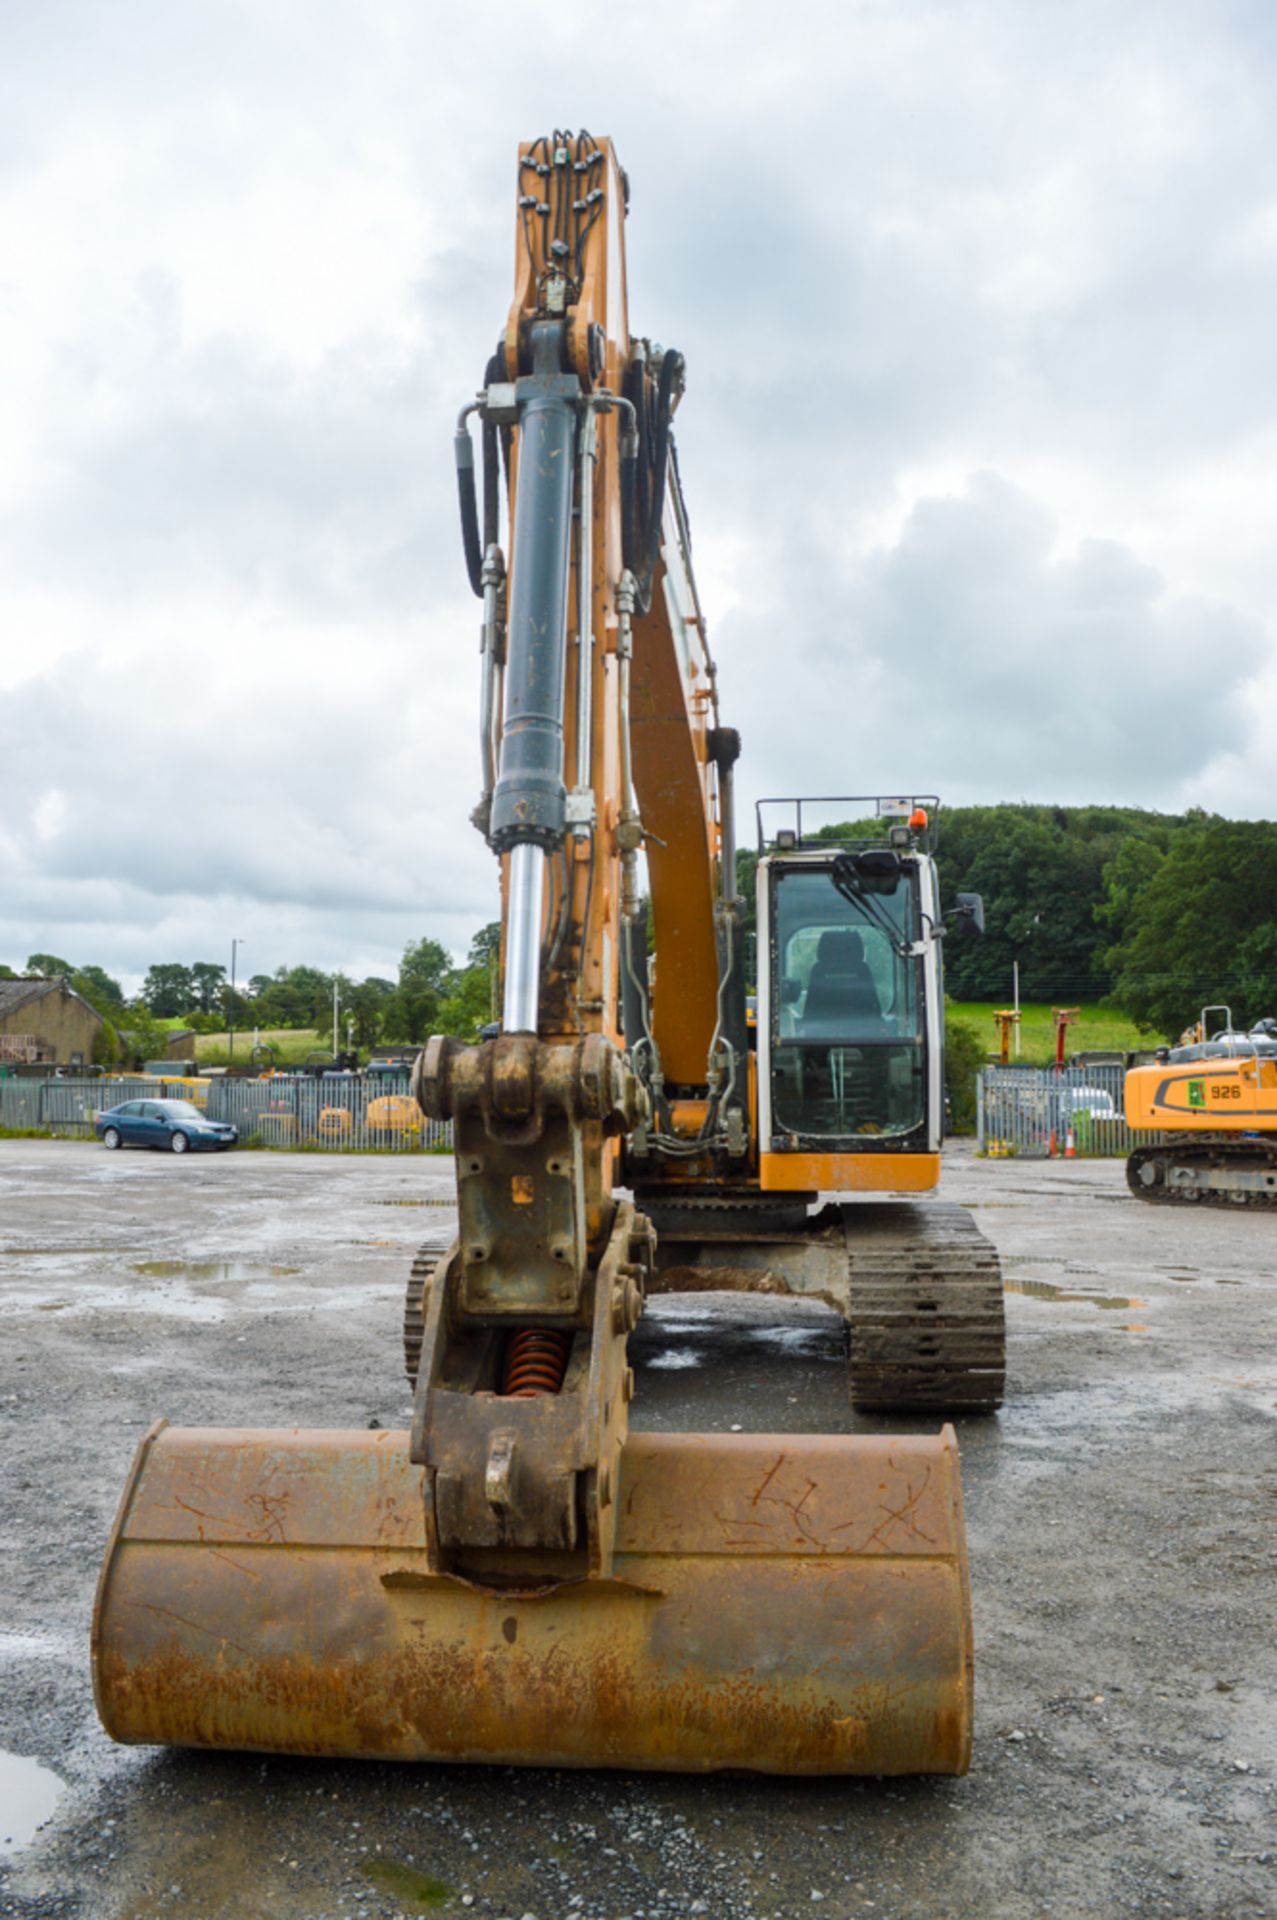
x,y
926,1312
427,1258
1214,1171
918,1285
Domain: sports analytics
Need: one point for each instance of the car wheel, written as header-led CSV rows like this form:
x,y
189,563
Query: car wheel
x,y
111,1138
179,1143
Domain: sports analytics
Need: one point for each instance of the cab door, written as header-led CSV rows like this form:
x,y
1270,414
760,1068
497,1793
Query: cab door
x,y
846,1066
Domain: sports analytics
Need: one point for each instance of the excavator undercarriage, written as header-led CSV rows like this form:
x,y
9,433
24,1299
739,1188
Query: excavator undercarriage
x,y
1218,1171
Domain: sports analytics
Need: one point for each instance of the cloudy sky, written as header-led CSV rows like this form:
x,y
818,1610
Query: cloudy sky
x,y
979,305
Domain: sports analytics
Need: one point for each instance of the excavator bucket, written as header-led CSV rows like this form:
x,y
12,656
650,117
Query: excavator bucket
x,y
785,1604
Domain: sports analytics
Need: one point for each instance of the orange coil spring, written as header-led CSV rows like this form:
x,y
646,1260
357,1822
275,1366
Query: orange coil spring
x,y
536,1359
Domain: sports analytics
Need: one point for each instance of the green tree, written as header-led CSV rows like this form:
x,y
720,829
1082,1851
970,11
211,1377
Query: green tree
x,y
486,945
290,997
411,1014
1202,927
207,1022
481,995
963,1059
468,1005
168,989
237,1010
1043,873
142,1034
1125,877
49,967
366,1003
207,979
106,1046
97,986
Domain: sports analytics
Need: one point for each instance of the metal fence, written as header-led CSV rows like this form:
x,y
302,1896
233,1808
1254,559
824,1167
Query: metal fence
x,y
334,1116
1032,1111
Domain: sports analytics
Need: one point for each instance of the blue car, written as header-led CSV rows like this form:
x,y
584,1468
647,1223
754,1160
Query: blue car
x,y
175,1125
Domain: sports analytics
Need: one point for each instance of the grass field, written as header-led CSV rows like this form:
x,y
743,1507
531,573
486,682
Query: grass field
x,y
293,1043
1094,1027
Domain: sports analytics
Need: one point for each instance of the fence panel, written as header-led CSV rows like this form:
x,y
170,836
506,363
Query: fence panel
x,y
333,1116
1030,1111
66,1106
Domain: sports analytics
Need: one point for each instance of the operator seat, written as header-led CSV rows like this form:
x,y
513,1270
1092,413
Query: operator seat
x,y
841,993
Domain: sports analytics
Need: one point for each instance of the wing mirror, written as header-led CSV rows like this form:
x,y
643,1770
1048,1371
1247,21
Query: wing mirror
x,y
968,914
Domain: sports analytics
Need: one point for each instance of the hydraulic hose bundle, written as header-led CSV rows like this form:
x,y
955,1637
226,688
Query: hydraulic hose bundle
x,y
643,475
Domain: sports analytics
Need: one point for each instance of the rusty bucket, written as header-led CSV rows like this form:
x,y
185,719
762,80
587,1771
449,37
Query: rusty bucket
x,y
786,1604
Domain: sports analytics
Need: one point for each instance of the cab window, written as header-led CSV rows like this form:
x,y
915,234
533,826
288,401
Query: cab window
x,y
848,1055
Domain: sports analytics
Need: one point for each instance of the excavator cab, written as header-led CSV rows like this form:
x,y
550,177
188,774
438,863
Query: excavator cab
x,y
850,1034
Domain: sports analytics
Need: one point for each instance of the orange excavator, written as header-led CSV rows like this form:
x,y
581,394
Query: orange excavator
x,y
523,1576
1211,1104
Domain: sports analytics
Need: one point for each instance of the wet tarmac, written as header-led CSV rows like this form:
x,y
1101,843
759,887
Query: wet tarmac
x,y
1121,1513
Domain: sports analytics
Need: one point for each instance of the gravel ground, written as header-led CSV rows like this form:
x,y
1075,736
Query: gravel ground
x,y
1121,1514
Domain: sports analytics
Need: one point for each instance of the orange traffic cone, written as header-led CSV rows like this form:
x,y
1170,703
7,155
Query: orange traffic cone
x,y
1051,1148
1070,1150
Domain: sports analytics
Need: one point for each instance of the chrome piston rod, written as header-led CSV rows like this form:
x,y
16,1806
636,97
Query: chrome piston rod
x,y
523,939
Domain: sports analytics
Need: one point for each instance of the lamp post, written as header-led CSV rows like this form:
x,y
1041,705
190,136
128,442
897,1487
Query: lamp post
x,y
230,1010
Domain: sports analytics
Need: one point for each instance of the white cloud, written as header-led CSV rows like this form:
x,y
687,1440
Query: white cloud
x,y
978,304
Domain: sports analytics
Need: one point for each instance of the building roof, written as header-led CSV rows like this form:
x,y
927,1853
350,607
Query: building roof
x,y
15,994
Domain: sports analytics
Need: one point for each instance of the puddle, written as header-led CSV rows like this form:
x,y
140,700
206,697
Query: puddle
x,y
413,1891
722,1336
222,1270
46,1253
29,1646
29,1794
176,1298
1043,1290
813,1343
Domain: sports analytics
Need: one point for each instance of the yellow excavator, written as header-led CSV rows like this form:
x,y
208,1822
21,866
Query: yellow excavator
x,y
1213,1101
521,1577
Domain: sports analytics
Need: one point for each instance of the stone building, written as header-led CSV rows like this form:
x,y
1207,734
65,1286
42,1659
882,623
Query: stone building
x,y
46,1021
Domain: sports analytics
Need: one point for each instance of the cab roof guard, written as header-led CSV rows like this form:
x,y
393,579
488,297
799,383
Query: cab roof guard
x,y
846,825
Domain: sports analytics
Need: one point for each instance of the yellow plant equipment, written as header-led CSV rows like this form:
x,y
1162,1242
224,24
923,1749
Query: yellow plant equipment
x,y
520,1576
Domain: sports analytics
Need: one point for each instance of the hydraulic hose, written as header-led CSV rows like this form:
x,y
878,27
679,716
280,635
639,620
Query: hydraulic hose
x,y
463,451
643,480
671,365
